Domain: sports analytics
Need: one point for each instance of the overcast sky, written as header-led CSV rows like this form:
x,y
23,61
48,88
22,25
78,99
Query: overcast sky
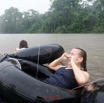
x,y
23,5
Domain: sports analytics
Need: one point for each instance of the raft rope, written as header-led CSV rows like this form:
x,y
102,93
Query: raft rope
x,y
38,62
90,83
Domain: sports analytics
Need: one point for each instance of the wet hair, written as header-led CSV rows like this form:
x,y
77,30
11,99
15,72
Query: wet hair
x,y
23,44
84,55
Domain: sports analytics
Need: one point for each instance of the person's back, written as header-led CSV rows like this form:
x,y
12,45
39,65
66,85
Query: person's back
x,y
22,45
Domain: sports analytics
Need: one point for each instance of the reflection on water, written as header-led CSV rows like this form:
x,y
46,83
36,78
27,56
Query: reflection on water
x,y
92,43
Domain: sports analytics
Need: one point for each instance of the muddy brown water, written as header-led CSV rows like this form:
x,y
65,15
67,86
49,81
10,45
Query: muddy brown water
x,y
92,43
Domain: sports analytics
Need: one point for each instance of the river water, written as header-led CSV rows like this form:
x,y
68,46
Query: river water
x,y
92,43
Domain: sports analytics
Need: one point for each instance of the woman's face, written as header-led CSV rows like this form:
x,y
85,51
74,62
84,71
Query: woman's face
x,y
76,53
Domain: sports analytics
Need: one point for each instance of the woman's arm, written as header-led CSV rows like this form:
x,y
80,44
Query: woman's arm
x,y
82,77
57,63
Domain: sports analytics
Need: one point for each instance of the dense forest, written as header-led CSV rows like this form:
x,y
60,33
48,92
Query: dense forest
x,y
64,16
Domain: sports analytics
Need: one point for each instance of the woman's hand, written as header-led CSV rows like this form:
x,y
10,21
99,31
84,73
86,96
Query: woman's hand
x,y
73,60
65,56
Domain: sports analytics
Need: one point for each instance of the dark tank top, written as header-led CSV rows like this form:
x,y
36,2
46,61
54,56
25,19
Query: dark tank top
x,y
63,78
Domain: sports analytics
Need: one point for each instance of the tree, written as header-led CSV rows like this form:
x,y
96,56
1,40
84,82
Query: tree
x,y
64,16
9,20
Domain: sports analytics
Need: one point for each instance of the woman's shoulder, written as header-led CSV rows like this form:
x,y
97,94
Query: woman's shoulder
x,y
18,49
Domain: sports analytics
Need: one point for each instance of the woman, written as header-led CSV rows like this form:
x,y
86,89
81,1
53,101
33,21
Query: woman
x,y
73,74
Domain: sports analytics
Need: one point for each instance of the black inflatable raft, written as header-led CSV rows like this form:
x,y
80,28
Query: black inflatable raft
x,y
21,79
19,85
40,54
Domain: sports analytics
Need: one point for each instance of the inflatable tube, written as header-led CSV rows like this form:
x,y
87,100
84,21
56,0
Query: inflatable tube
x,y
41,54
35,70
18,87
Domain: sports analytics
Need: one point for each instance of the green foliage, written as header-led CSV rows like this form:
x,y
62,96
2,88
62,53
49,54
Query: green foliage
x,y
64,16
